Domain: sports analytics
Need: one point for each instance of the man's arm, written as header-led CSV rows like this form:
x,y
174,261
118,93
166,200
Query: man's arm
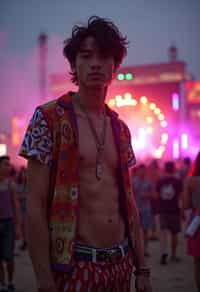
x,y
38,176
138,248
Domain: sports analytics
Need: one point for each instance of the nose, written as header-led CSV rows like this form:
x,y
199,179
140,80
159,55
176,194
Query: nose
x,y
96,63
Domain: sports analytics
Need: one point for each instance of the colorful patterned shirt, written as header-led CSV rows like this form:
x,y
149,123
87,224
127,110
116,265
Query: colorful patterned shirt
x,y
38,142
52,139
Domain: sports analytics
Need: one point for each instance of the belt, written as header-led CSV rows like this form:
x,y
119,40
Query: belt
x,y
88,253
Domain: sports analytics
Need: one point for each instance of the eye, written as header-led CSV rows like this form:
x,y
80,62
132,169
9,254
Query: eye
x,y
85,55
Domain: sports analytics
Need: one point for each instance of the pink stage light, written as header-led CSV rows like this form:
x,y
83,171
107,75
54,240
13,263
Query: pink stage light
x,y
163,124
175,101
143,99
157,111
184,141
3,149
176,148
152,106
111,102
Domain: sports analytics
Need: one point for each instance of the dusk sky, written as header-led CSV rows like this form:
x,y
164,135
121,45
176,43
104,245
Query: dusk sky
x,y
151,27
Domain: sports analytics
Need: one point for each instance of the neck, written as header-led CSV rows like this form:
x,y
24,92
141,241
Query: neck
x,y
93,99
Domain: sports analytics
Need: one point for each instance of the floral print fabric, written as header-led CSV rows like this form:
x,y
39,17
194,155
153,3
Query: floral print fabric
x,y
37,142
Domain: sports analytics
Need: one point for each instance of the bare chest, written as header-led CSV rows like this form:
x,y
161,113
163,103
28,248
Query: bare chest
x,y
88,144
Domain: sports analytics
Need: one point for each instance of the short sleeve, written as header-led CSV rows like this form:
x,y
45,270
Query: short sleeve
x,y
37,141
131,154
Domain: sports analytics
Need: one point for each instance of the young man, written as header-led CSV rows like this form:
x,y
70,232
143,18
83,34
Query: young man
x,y
169,189
83,226
8,225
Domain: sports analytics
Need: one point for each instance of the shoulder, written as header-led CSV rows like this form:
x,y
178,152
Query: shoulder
x,y
54,110
57,105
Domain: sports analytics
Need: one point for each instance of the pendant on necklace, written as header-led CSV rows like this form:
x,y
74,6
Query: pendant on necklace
x,y
99,170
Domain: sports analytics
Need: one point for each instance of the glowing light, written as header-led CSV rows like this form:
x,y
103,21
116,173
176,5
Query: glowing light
x,y
175,101
3,149
120,77
159,152
162,148
118,98
126,101
157,111
134,102
144,133
164,138
175,148
144,99
15,131
184,141
129,76
163,124
149,120
127,96
141,138
111,102
152,106
161,117
149,130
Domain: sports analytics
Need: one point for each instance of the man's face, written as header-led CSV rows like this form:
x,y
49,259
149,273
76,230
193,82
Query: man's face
x,y
92,68
4,167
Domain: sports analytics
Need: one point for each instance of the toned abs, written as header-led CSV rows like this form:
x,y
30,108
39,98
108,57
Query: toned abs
x,y
100,222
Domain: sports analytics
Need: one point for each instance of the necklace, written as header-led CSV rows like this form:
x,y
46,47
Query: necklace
x,y
100,141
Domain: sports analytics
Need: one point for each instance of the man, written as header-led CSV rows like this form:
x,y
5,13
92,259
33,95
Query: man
x,y
143,190
82,222
9,219
154,173
185,168
169,190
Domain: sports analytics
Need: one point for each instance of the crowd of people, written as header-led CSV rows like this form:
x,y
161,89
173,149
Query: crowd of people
x,y
13,195
167,196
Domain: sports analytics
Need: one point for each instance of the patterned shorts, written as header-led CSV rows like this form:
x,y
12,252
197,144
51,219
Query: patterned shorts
x,y
97,277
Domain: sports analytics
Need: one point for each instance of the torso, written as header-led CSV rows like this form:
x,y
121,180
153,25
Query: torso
x,y
6,209
170,189
100,222
194,194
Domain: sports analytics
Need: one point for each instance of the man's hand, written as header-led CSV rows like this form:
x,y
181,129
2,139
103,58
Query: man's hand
x,y
143,284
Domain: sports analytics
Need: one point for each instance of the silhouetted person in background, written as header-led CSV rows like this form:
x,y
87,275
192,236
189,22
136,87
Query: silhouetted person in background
x,y
154,172
21,188
9,225
185,168
192,204
169,189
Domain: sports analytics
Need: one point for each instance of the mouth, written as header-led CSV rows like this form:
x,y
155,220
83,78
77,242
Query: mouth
x,y
96,75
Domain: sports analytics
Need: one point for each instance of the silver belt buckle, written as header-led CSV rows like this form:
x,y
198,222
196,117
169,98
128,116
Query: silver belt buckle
x,y
112,255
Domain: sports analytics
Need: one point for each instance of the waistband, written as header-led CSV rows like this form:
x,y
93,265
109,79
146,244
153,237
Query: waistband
x,y
88,253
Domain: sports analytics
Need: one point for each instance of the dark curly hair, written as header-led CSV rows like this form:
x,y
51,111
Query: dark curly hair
x,y
107,36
